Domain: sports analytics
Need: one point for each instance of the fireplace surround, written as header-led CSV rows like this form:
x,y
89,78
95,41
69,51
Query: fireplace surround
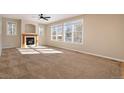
x,y
29,39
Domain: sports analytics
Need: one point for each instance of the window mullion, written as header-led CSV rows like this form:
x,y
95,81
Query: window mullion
x,y
64,32
12,29
73,33
56,36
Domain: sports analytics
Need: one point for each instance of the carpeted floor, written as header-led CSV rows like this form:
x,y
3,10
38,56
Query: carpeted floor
x,y
55,63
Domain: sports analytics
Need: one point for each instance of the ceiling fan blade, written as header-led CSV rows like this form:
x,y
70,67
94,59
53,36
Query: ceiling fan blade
x,y
47,17
41,16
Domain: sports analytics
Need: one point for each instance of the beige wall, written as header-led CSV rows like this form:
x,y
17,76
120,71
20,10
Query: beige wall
x,y
103,35
0,35
26,22
29,28
41,39
15,41
10,41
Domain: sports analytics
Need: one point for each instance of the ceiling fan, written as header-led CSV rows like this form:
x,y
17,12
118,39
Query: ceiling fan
x,y
41,16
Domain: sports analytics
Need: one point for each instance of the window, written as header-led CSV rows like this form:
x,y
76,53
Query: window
x,y
73,32
77,33
53,33
11,28
57,33
41,29
68,32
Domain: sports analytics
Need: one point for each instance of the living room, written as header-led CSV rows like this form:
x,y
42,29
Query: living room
x,y
63,46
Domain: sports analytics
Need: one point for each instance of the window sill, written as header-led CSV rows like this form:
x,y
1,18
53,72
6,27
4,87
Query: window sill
x,y
67,42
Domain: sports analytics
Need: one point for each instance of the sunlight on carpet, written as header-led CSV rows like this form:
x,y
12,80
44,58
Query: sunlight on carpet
x,y
38,50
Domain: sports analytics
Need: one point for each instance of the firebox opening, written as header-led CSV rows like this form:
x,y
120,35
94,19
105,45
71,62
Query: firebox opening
x,y
30,41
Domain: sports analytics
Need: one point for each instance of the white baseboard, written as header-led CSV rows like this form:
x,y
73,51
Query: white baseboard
x,y
8,47
111,58
0,52
84,52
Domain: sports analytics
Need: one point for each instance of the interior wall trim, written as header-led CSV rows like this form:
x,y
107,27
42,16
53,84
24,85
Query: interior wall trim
x,y
0,52
8,47
93,54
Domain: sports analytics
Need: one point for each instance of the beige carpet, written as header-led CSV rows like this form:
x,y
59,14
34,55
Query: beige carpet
x,y
55,63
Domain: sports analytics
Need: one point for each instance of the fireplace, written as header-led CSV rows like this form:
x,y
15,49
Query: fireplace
x,y
30,41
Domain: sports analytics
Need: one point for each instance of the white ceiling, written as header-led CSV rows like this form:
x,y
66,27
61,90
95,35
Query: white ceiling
x,y
34,17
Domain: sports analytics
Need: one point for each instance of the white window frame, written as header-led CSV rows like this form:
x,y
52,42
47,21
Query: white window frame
x,y
52,27
73,31
52,34
40,30
65,35
8,28
82,31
